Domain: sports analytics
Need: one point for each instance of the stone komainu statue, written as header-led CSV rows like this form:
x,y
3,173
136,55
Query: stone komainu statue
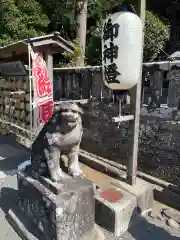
x,y
61,135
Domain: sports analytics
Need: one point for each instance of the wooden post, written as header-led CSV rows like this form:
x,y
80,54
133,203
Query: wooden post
x,y
135,94
49,62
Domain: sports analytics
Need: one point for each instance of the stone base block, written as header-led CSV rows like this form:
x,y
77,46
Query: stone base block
x,y
67,214
96,234
142,190
29,231
115,209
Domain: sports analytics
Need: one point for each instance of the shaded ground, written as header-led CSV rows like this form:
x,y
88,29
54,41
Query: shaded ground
x,y
145,230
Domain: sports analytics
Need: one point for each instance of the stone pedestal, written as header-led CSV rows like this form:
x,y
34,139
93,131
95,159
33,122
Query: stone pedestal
x,y
58,211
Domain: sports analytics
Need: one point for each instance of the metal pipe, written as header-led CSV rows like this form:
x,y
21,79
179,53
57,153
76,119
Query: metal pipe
x,y
149,64
82,101
136,103
146,64
77,68
30,95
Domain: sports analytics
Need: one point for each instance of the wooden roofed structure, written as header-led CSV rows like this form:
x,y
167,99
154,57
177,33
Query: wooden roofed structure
x,y
54,43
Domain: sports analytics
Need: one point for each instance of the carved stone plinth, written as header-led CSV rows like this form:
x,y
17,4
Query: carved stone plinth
x,y
59,211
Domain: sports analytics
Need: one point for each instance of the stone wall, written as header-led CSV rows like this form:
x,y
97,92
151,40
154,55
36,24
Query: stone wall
x,y
159,140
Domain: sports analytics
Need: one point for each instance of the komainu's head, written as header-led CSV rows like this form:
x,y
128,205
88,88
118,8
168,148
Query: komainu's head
x,y
69,111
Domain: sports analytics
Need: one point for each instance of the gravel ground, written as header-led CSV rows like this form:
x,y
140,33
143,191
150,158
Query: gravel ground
x,y
144,229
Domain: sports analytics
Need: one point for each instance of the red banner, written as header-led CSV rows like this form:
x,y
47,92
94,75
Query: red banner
x,y
45,110
43,91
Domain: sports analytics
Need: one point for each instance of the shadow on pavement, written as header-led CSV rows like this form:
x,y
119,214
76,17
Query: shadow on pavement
x,y
22,226
10,165
8,198
11,154
150,231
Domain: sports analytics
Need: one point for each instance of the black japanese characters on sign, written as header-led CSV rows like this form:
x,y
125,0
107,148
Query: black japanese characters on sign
x,y
110,30
111,73
110,53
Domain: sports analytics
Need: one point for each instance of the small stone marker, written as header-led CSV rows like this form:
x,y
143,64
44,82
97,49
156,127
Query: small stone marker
x,y
172,223
172,213
115,209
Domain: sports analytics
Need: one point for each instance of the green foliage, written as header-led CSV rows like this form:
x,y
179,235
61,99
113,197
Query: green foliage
x,y
156,36
62,16
93,51
21,19
96,9
74,59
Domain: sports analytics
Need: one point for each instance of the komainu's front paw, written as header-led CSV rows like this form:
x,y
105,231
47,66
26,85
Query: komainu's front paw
x,y
57,176
76,172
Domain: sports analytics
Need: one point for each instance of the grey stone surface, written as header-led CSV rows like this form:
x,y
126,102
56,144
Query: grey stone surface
x,y
115,216
142,190
172,223
96,234
67,215
146,229
172,213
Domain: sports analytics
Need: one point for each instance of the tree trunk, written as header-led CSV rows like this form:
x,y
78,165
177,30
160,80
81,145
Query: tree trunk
x,y
81,20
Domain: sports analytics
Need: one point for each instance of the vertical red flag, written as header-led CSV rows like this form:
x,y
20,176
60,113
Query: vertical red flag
x,y
43,91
